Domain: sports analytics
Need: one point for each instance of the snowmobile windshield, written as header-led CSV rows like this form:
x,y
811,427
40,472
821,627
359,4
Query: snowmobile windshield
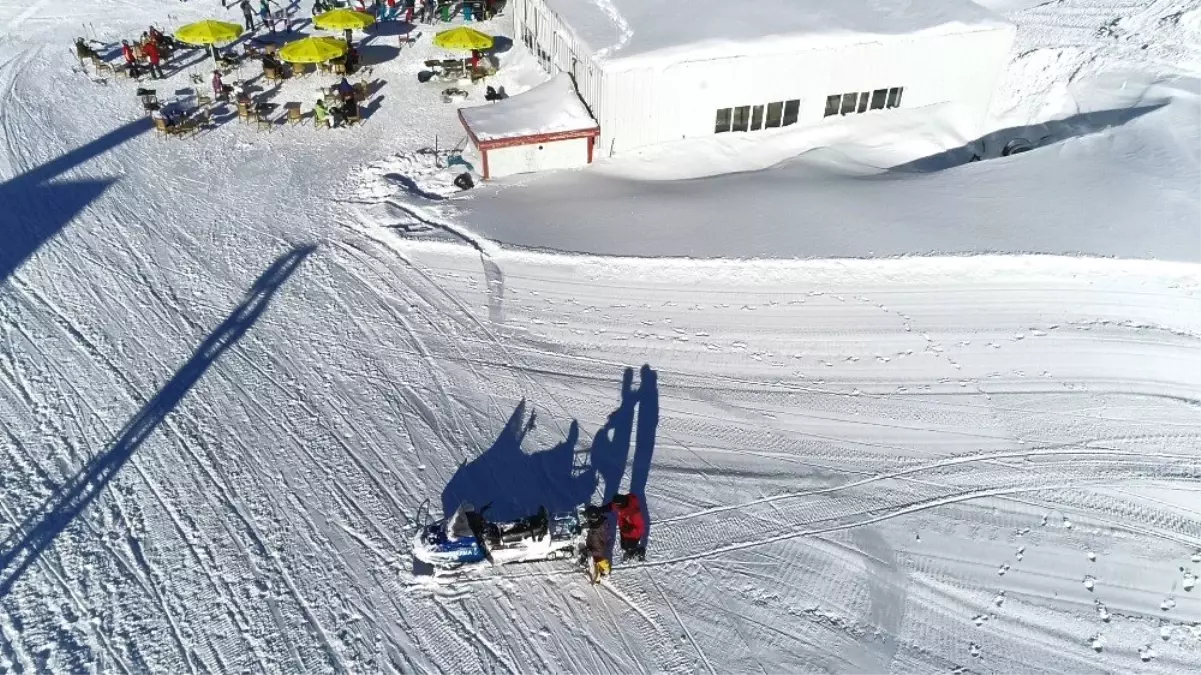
x,y
459,526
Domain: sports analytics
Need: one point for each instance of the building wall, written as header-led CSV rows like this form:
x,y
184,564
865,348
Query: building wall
x,y
568,154
549,39
680,100
665,102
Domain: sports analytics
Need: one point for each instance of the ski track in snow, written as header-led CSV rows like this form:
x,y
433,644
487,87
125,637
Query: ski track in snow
x,y
870,466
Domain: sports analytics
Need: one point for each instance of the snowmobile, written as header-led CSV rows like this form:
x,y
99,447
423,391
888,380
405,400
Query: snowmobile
x,y
468,538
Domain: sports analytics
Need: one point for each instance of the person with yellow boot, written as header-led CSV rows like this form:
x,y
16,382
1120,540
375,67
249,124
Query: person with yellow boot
x,y
596,543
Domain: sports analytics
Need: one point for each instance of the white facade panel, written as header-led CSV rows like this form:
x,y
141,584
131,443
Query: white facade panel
x,y
567,154
636,107
648,106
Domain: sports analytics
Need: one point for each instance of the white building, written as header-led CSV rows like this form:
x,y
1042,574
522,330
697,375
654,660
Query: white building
x,y
652,71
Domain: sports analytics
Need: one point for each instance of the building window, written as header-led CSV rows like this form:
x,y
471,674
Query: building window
x,y
742,118
832,103
858,102
792,111
723,120
757,117
775,111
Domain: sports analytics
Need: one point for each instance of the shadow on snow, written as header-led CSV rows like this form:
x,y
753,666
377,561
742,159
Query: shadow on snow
x,y
33,209
27,542
998,143
563,477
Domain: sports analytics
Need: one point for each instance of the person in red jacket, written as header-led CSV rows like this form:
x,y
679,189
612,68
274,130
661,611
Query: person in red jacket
x,y
150,49
131,61
631,525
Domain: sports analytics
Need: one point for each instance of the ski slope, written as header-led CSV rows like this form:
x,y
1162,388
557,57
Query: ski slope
x,y
229,385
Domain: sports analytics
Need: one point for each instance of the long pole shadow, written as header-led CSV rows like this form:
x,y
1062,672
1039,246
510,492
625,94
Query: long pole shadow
x,y
22,548
34,207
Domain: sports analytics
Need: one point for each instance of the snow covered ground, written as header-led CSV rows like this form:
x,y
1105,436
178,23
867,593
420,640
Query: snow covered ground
x,y
229,378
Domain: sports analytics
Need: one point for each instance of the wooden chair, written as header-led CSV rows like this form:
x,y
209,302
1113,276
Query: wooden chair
x,y
160,125
325,68
361,90
294,114
244,112
354,119
339,67
272,74
263,123
101,66
203,100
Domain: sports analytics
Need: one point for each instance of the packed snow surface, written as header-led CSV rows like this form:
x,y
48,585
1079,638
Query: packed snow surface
x,y
232,376
549,108
646,30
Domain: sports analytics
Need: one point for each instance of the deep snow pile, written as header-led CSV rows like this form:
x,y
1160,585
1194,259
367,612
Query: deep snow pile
x,y
229,380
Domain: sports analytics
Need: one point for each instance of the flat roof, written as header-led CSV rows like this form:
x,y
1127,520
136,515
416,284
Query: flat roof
x,y
550,108
644,30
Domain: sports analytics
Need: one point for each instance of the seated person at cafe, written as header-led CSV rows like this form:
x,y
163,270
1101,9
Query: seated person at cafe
x,y
321,115
352,59
344,89
83,51
350,108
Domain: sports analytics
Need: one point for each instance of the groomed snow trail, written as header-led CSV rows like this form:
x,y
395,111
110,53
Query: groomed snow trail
x,y
225,397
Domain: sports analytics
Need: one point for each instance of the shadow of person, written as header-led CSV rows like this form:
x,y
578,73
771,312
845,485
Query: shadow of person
x,y
611,444
644,440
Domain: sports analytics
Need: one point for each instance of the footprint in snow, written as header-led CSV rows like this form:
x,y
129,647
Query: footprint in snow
x,y
1165,632
1167,604
1067,523
979,619
1000,599
1021,553
974,650
1190,580
1092,557
1003,569
1196,557
1102,611
1146,653
1097,643
1090,582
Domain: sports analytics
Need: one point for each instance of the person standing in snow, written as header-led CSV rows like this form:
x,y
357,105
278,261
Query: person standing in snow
x,y
265,15
248,13
631,525
218,86
596,542
131,60
150,49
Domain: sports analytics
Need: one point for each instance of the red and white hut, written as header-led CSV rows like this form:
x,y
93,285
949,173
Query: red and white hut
x,y
545,128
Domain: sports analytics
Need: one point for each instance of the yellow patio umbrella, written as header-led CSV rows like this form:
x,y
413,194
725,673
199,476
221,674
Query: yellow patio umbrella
x,y
313,50
208,32
463,38
343,19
